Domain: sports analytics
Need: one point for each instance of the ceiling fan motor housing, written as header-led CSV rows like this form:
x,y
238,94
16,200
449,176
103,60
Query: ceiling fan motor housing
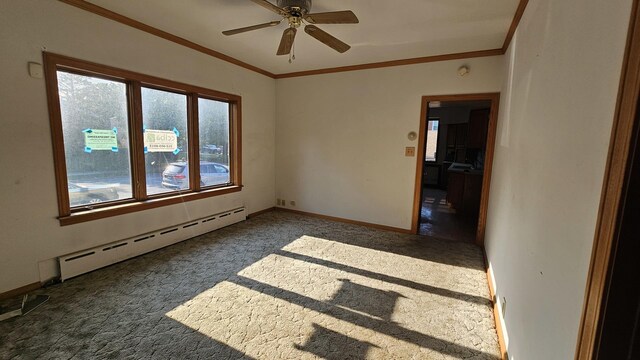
x,y
297,8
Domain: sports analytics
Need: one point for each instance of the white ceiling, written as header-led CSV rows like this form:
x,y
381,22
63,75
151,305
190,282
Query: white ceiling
x,y
388,30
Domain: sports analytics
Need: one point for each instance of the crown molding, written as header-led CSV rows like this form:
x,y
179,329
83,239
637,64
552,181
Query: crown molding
x,y
106,13
514,24
111,15
419,60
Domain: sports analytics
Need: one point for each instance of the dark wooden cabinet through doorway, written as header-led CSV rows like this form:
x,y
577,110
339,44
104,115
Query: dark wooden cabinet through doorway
x,y
478,126
456,143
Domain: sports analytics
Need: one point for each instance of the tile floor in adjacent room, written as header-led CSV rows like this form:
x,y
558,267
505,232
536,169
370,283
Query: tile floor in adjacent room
x,y
439,220
277,286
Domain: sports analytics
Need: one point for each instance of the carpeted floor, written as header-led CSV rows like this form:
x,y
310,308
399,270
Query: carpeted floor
x,y
278,286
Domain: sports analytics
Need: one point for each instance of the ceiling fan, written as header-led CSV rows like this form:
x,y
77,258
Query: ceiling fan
x,y
297,12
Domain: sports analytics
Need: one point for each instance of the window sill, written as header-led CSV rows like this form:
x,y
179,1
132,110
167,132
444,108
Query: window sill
x,y
120,209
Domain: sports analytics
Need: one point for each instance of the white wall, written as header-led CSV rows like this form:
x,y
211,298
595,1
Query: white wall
x,y
562,74
30,231
340,138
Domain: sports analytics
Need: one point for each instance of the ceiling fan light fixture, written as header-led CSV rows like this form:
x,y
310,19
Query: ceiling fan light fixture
x,y
298,8
297,13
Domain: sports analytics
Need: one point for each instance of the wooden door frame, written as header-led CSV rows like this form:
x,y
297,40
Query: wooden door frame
x,y
612,188
494,98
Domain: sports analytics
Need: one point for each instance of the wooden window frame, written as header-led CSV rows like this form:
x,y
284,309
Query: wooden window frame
x,y
134,82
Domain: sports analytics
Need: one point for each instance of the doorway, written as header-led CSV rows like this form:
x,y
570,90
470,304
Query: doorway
x,y
618,335
610,325
453,172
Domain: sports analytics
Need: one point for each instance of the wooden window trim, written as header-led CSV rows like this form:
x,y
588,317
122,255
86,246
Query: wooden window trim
x,y
194,143
135,81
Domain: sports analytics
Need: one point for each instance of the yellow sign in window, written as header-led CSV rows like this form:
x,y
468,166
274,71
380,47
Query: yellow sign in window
x,y
161,140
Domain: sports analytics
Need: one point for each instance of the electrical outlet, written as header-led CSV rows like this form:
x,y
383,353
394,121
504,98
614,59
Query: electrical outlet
x,y
410,151
504,305
292,203
284,202
278,202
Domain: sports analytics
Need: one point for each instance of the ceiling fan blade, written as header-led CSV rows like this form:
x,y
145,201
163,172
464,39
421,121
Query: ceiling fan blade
x,y
334,17
287,41
249,28
269,6
326,39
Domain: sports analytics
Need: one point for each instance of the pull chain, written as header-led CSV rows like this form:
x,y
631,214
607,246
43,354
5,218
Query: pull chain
x,y
292,54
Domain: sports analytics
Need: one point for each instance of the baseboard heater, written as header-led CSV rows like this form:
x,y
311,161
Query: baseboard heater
x,y
91,259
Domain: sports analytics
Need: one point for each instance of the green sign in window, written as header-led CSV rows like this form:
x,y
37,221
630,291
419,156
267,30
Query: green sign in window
x,y
100,140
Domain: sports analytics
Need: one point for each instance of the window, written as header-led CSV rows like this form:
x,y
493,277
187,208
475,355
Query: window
x,y
214,141
124,141
432,140
94,120
164,125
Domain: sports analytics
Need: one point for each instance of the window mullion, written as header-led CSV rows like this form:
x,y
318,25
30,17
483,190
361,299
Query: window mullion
x,y
235,142
55,117
137,142
194,142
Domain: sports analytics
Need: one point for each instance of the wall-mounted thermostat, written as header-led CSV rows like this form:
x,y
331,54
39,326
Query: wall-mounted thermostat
x,y
35,70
